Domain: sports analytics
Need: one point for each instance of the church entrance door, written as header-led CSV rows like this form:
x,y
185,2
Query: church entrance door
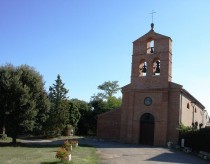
x,y
147,129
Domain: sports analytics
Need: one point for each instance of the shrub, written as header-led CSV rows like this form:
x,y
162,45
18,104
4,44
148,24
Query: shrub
x,y
62,154
67,145
3,136
198,140
74,143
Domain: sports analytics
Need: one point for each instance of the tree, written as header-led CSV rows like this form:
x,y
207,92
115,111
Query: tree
x,y
110,88
113,103
85,124
59,114
105,101
74,115
43,113
20,91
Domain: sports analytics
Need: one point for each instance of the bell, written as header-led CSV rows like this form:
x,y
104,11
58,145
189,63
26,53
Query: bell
x,y
144,70
157,67
152,50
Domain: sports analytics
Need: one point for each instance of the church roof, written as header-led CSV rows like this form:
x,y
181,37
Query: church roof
x,y
192,98
152,34
187,94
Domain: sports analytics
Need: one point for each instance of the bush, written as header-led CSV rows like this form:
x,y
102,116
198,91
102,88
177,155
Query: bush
x,y
74,143
3,137
198,140
68,130
67,145
62,154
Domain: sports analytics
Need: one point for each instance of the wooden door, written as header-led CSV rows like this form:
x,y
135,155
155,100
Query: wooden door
x,y
147,129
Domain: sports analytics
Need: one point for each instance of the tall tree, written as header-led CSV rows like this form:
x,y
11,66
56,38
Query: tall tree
x,y
106,97
20,91
109,88
74,115
59,114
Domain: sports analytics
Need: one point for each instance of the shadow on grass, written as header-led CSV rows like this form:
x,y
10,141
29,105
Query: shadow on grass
x,y
57,162
50,162
38,144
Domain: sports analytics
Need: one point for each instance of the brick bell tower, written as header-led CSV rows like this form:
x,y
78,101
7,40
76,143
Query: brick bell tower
x,y
151,61
145,102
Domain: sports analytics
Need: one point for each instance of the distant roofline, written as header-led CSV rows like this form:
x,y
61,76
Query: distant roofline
x,y
192,98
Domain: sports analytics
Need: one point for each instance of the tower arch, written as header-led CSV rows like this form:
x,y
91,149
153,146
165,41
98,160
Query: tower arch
x,y
150,45
143,68
156,66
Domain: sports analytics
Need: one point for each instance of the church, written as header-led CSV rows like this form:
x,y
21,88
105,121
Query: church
x,y
153,106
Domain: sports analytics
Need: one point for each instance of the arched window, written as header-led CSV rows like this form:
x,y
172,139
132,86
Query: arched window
x,y
143,68
150,45
156,66
188,106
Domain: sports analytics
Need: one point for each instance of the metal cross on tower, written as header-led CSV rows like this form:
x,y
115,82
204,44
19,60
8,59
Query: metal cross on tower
x,y
152,14
152,24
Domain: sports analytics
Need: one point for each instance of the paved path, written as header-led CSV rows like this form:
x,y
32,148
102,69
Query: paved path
x,y
118,153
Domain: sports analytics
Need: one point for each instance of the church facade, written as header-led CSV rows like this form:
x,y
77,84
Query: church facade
x,y
152,105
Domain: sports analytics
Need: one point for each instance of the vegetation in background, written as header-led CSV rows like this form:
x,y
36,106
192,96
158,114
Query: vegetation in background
x,y
109,88
198,140
85,123
183,128
59,113
23,100
26,108
74,115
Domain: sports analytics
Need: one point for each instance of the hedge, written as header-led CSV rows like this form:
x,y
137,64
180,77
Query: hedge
x,y
198,140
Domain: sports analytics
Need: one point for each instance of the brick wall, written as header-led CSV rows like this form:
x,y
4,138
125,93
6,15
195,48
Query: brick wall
x,y
108,125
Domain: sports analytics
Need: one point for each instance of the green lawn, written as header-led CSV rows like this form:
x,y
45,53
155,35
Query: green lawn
x,y
45,155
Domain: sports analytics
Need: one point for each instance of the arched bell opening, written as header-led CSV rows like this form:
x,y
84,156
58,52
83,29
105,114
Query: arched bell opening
x,y
143,68
156,66
150,45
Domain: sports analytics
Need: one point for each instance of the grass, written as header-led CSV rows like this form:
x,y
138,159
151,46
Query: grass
x,y
44,154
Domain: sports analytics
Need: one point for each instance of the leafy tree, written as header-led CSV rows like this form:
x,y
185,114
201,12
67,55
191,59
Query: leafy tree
x,y
182,128
99,106
43,113
74,115
106,101
110,88
59,114
20,91
86,121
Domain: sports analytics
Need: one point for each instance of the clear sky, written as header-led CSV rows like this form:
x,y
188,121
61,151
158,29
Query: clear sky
x,y
89,42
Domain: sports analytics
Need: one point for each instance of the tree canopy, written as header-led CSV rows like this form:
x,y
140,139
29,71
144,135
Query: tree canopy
x,y
109,88
23,99
59,113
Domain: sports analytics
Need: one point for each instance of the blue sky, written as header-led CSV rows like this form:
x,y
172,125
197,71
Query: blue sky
x,y
88,42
